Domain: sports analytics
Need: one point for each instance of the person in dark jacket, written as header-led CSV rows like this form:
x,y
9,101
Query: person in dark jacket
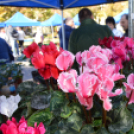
x,y
87,34
5,51
69,27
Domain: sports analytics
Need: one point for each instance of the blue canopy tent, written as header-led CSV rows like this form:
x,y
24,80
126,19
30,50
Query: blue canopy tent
x,y
2,25
19,19
118,17
60,4
76,20
55,20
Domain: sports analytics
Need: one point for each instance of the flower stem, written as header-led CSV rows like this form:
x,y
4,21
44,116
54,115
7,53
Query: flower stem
x,y
104,117
46,82
90,117
121,79
51,81
74,97
129,98
67,96
85,112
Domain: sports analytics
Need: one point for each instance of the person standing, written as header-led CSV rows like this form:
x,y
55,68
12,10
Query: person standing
x,y
39,37
12,36
124,23
21,37
69,27
87,34
5,51
110,22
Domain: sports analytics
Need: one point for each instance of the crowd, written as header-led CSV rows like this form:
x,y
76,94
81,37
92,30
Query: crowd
x,y
79,39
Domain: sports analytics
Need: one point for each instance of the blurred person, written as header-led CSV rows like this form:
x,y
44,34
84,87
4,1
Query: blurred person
x,y
5,51
39,37
124,23
3,34
69,27
87,34
110,22
12,36
21,38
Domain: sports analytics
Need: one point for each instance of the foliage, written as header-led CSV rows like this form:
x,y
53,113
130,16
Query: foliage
x,y
9,70
44,14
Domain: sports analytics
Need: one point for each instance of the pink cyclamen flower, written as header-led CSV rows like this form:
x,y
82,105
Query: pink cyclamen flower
x,y
87,102
65,60
79,58
67,81
85,56
88,84
130,88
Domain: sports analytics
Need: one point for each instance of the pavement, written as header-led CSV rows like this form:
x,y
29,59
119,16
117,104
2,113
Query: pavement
x,y
26,69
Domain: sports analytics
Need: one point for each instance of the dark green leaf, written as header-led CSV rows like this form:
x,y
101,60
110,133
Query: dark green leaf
x,y
131,132
87,129
66,131
52,129
41,100
97,123
58,100
44,116
75,122
76,108
102,131
122,121
65,112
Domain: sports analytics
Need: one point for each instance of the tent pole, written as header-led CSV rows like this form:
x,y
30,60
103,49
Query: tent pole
x,y
63,31
52,31
131,19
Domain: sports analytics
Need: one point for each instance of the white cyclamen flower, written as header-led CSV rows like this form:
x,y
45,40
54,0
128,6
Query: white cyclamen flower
x,y
9,105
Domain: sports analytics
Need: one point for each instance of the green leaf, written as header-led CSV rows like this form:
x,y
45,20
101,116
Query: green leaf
x,y
76,108
122,121
65,112
52,129
102,131
26,88
131,131
44,116
75,122
87,129
29,109
41,100
58,100
66,131
97,123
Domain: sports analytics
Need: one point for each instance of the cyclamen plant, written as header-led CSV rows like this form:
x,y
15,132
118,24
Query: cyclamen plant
x,y
97,76
122,48
12,127
99,69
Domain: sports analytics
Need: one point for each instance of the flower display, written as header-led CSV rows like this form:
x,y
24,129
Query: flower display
x,y
9,105
44,59
97,77
12,127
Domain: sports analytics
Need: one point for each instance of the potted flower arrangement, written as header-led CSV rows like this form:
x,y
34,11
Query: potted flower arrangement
x,y
97,100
